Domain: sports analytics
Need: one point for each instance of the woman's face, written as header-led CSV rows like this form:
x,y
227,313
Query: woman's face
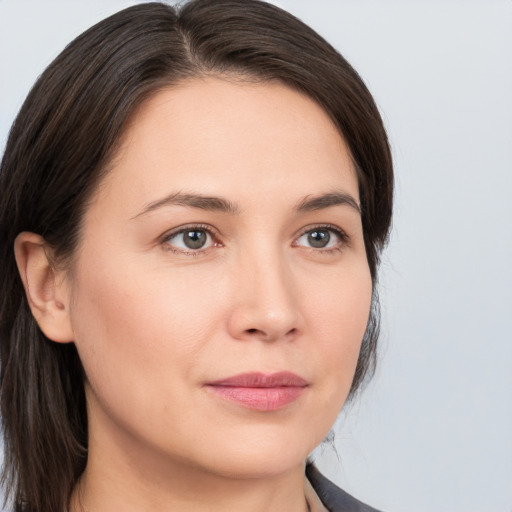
x,y
221,290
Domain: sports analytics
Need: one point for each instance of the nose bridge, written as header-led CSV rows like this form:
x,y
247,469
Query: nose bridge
x,y
272,279
266,304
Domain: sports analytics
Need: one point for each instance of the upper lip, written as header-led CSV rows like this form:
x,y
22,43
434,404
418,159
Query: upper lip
x,y
262,380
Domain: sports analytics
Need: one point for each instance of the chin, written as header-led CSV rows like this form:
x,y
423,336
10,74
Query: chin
x,y
247,467
261,456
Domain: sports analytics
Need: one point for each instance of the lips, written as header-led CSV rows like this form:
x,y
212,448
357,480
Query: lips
x,y
259,391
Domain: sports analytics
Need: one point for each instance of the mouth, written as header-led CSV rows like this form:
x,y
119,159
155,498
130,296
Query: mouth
x,y
259,391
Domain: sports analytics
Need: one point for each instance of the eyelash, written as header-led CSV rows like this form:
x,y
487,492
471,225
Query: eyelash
x,y
193,227
343,238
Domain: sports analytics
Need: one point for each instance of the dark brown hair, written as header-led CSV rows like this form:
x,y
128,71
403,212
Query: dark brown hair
x,y
59,148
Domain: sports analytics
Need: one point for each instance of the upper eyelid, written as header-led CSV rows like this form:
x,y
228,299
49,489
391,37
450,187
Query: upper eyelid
x,y
330,227
190,227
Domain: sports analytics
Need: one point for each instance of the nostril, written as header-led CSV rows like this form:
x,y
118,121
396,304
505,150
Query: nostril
x,y
253,332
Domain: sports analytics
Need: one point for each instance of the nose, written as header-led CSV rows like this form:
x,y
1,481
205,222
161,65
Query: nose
x,y
265,302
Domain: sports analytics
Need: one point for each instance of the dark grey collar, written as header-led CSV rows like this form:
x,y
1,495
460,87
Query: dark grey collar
x,y
334,498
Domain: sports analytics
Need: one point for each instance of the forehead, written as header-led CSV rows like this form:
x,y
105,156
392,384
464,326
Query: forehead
x,y
231,137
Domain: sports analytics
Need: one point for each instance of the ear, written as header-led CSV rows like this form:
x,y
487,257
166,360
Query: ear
x,y
47,290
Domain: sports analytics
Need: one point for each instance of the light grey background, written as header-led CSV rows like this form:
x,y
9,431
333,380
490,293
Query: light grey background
x,y
433,432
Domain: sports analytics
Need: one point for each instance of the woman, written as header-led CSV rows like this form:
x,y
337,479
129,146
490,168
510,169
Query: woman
x,y
197,200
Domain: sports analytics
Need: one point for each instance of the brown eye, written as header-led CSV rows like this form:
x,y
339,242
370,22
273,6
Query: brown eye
x,y
319,238
322,238
195,239
190,239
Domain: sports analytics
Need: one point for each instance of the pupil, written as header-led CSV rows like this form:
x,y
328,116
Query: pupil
x,y
319,238
194,239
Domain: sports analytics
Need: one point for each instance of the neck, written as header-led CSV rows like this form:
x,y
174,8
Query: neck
x,y
129,478
94,494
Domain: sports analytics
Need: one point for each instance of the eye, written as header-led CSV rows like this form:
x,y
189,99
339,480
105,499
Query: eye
x,y
190,239
322,238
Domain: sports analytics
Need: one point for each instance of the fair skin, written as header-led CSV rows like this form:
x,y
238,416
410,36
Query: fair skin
x,y
269,280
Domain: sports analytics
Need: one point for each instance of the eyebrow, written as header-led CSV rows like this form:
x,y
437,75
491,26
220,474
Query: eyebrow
x,y
220,204
217,204
319,202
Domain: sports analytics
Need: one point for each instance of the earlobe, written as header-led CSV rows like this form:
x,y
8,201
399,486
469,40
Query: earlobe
x,y
47,291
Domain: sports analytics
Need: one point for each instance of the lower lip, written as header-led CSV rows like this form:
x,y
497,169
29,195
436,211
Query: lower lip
x,y
260,399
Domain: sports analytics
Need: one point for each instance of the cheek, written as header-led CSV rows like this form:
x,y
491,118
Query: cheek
x,y
137,333
130,306
340,315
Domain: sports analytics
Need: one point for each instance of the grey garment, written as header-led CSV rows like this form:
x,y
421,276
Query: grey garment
x,y
334,498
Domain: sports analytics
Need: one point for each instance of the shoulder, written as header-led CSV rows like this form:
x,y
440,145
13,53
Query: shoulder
x,y
334,498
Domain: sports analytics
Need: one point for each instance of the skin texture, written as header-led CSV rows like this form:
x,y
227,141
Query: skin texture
x,y
155,321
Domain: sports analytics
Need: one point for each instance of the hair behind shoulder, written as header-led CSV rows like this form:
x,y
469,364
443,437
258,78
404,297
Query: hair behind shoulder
x,y
59,148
